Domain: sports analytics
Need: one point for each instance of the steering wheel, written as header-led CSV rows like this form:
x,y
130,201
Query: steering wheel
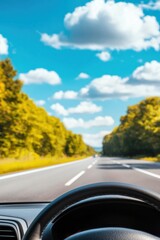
x,y
60,205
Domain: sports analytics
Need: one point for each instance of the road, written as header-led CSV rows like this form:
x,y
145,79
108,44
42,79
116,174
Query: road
x,y
47,183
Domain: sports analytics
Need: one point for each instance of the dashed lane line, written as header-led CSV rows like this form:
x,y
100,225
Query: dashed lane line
x,y
126,165
72,180
90,166
79,175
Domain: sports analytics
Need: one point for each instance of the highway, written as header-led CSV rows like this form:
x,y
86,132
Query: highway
x,y
47,183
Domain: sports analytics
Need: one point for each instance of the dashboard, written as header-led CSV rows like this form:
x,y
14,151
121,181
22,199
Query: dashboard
x,y
16,218
89,214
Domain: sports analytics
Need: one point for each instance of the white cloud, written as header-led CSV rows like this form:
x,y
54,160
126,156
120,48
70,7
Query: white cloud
x,y
39,76
52,41
152,5
81,123
82,75
86,107
104,56
40,102
108,87
144,82
58,108
65,95
83,107
150,71
95,140
3,45
107,25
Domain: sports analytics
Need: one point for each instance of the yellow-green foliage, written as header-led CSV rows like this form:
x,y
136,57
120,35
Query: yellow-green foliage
x,y
150,159
26,128
138,132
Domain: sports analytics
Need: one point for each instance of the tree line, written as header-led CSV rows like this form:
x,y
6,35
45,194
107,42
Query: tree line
x,y
138,132
26,128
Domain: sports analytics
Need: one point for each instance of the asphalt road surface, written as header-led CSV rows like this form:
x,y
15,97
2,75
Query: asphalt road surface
x,y
47,183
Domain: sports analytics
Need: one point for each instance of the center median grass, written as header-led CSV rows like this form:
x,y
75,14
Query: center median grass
x,y
14,165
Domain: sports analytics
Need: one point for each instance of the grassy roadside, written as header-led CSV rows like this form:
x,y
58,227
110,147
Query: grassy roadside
x,y
150,159
143,157
14,165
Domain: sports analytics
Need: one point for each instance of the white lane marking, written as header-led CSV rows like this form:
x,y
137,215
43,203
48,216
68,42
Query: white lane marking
x,y
74,178
40,169
90,166
139,170
146,172
126,165
116,162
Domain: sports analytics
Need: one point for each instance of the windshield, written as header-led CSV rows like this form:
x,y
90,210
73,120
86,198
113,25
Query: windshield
x,y
79,96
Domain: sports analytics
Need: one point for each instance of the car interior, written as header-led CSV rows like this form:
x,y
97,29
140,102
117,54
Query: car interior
x,y
96,211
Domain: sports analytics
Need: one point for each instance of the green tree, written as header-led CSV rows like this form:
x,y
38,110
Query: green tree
x,y
26,128
75,145
138,132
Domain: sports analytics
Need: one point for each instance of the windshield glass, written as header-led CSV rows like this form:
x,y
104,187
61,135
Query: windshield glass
x,y
79,96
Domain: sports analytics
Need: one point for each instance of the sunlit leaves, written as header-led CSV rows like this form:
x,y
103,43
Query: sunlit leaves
x,y
138,132
28,129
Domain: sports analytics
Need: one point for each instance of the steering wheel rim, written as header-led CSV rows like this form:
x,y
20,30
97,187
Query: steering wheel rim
x,y
112,234
60,204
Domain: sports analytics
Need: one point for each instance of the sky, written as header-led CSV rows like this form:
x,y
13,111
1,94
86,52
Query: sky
x,y
84,61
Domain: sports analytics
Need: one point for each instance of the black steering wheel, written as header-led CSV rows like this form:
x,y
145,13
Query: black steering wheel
x,y
60,205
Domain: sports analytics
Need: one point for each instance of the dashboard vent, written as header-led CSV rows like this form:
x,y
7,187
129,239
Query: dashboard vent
x,y
9,231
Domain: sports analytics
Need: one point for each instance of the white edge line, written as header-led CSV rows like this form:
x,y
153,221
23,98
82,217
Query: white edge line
x,y
40,169
146,172
74,178
139,170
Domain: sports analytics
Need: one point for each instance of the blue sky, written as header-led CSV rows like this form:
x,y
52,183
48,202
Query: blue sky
x,y
84,61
